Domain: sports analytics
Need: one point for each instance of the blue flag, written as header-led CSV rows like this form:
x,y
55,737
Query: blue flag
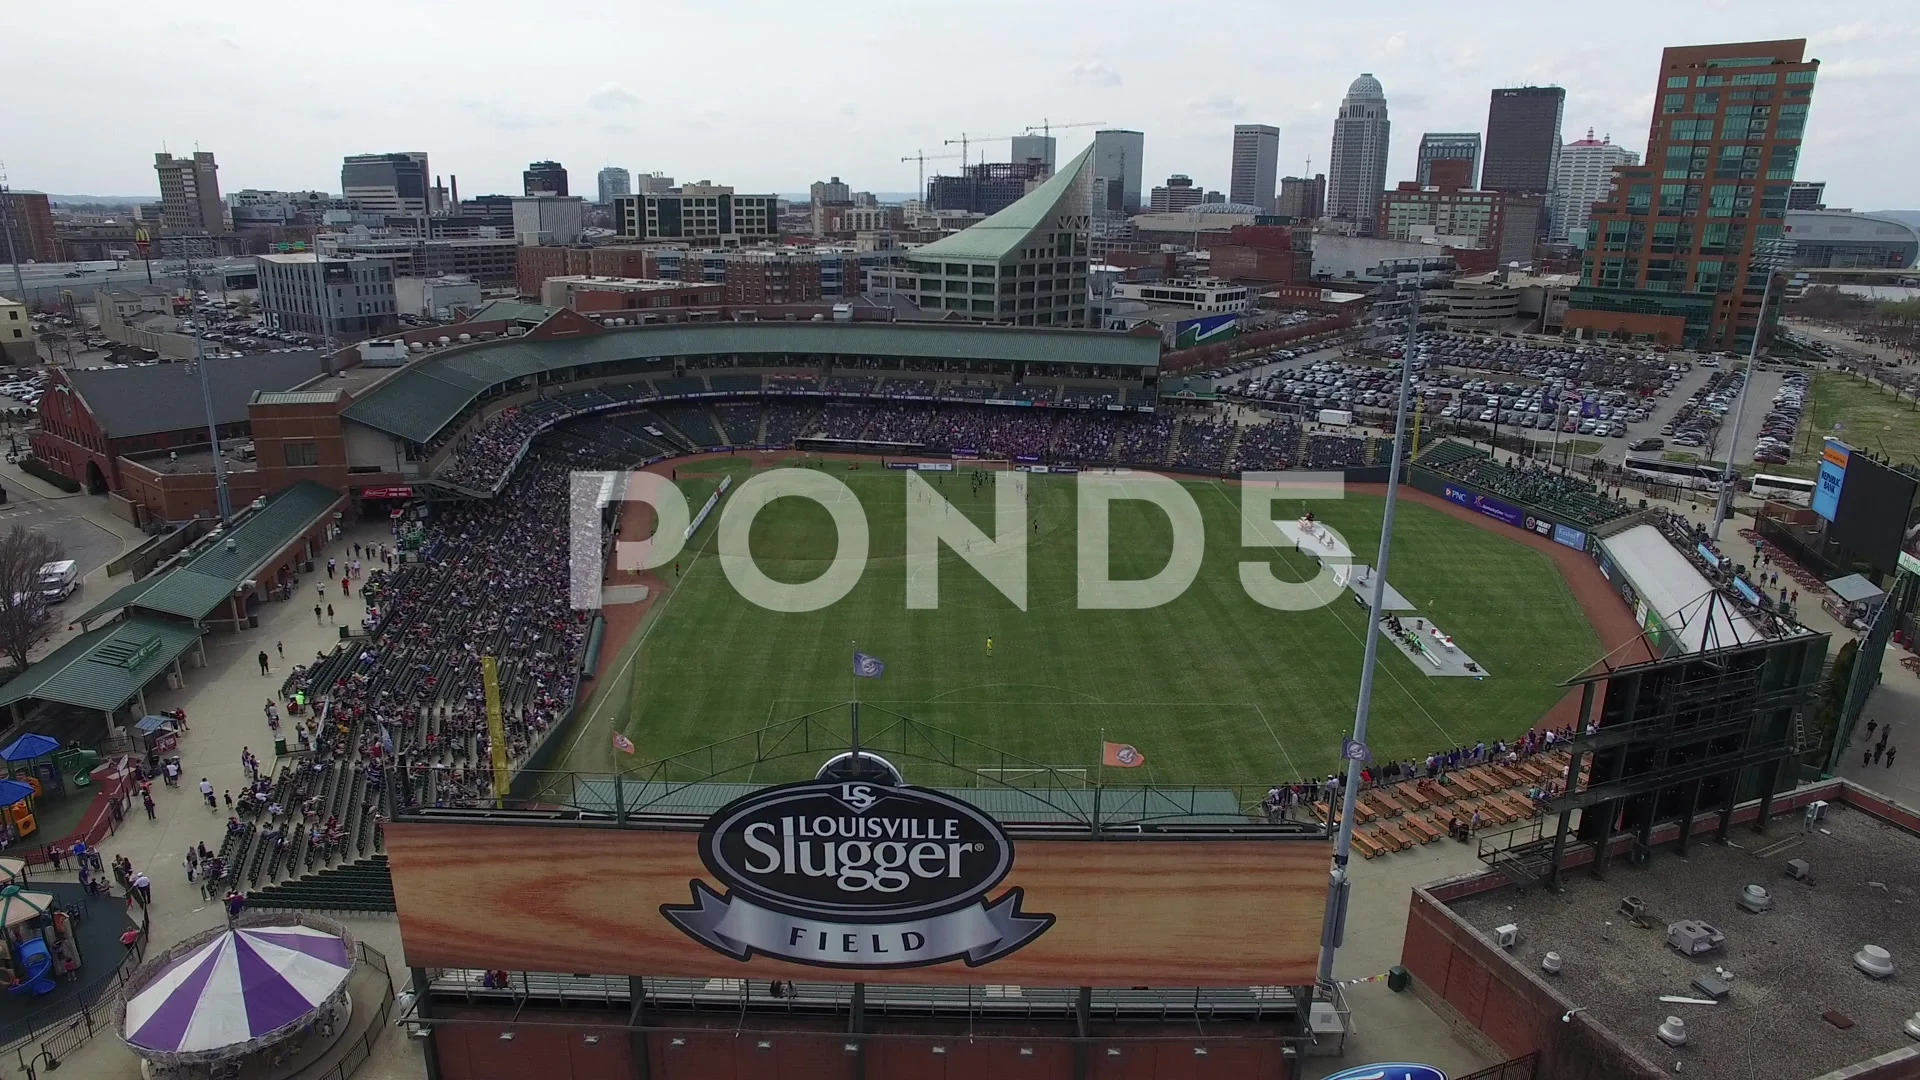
x,y
868,667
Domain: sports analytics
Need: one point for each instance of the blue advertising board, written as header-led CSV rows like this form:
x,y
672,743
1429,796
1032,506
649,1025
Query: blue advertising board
x,y
1833,476
1568,536
1493,508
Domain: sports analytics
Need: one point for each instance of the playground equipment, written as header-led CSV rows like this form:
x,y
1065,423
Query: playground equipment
x,y
17,796
41,944
31,757
77,765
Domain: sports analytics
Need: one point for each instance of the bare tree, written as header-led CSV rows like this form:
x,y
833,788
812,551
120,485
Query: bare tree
x,y
24,621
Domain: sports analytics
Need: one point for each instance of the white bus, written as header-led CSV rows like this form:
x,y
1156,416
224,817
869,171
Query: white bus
x,y
1788,489
1689,474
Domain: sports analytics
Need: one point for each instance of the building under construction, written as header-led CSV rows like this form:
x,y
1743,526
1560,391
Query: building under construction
x,y
986,188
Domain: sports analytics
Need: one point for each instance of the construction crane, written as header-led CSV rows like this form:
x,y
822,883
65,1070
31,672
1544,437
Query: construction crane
x,y
922,157
1046,127
964,139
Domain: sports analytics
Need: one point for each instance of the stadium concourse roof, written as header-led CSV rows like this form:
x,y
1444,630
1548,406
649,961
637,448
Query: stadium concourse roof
x,y
423,397
998,235
207,579
106,668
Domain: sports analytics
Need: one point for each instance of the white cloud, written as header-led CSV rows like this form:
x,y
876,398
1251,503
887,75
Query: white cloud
x,y
1094,73
612,99
1222,105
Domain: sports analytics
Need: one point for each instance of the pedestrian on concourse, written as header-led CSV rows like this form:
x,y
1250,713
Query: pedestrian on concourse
x,y
263,661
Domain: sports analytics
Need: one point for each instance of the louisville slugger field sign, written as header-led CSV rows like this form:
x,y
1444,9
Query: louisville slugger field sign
x,y
856,876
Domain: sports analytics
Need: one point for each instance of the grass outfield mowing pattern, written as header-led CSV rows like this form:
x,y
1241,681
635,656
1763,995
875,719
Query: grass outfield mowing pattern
x,y
1213,688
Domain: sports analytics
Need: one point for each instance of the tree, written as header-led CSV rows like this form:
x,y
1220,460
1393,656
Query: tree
x,y
24,621
243,307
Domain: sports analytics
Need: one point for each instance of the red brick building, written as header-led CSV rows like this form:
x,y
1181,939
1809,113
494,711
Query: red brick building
x,y
1274,253
91,419
31,216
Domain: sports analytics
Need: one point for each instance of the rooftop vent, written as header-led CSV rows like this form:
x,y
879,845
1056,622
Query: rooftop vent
x,y
1673,1032
1693,937
1551,963
1755,899
1507,936
1874,960
1799,869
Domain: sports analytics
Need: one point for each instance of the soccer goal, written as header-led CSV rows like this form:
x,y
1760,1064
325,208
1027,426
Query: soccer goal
x,y
1031,777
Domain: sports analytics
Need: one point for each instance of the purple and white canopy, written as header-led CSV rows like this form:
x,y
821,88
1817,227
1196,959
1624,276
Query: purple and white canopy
x,y
238,986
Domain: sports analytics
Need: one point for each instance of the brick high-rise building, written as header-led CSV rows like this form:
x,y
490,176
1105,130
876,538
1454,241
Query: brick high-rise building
x,y
190,194
1302,198
30,217
1672,249
1444,145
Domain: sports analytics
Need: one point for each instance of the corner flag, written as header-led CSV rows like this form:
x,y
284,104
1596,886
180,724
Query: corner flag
x,y
868,667
1121,756
622,743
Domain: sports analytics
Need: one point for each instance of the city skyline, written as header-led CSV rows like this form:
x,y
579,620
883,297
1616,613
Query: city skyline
x,y
1183,89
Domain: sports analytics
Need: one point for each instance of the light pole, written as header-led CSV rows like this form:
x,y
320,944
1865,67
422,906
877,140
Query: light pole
x,y
1333,928
1768,253
186,246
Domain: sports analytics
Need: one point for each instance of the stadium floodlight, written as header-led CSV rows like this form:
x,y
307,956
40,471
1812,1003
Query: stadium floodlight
x,y
1355,753
1770,254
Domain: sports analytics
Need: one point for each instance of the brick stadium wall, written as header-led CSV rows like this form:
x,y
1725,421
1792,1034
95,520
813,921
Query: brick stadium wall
x,y
1471,981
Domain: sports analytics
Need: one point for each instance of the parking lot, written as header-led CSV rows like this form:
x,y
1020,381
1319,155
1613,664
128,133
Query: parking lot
x,y
1673,404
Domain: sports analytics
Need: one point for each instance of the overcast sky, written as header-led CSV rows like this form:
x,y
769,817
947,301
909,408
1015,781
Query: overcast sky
x,y
770,96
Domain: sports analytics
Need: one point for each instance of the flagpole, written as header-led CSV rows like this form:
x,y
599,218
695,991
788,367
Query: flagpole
x,y
855,685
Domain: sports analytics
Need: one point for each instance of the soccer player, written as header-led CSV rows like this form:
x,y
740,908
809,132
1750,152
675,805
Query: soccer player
x,y
989,647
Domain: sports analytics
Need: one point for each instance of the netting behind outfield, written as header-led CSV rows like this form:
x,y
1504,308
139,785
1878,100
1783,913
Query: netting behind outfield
x,y
1031,777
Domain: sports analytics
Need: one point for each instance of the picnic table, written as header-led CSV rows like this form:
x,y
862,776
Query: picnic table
x,y
1426,830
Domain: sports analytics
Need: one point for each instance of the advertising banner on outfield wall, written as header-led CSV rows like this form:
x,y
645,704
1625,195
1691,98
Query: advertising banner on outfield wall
x,y
1486,504
1568,536
874,883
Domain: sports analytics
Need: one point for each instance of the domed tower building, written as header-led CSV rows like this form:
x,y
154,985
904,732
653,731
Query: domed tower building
x,y
1359,171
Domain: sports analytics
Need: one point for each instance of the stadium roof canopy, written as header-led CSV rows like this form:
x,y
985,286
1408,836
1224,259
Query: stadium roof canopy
x,y
1677,593
422,398
244,549
184,593
106,668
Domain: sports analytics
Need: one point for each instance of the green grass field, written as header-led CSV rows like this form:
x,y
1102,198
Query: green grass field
x,y
1869,416
1212,688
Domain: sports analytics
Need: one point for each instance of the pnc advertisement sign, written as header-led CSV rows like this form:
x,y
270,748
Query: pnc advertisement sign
x,y
858,875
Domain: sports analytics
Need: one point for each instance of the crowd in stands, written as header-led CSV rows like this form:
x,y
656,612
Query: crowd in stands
x,y
408,697
1574,500
1283,799
1194,439
1763,576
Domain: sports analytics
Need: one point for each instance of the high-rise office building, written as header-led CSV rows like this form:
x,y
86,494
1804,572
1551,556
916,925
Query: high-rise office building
x,y
1303,198
1256,165
1117,156
1807,195
190,194
1358,172
614,181
1178,194
1029,148
544,178
1585,171
1523,139
1448,146
829,192
1682,248
387,183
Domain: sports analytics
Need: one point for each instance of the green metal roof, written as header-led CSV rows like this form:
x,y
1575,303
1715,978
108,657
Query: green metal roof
x,y
265,533
105,668
1000,234
422,398
185,593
